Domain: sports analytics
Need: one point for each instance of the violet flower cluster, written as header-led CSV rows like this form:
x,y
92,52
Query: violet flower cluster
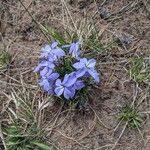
x,y
51,79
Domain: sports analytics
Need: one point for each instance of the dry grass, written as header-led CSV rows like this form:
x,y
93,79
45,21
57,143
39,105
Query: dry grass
x,y
118,39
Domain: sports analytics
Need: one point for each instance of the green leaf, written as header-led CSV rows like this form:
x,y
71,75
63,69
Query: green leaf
x,y
25,146
5,59
41,145
54,34
11,143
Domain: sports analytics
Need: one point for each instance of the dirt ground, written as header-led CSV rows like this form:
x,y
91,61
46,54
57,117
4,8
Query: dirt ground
x,y
97,127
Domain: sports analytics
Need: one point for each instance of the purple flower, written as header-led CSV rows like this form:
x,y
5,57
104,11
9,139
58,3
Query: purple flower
x,y
75,50
52,50
47,82
86,67
65,87
53,76
47,86
72,82
78,85
47,49
45,67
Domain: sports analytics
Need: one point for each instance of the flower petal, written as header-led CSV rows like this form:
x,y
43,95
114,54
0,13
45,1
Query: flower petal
x,y
84,60
58,82
65,78
44,55
71,80
45,51
72,92
50,91
80,73
51,58
67,93
46,85
43,63
75,50
50,65
54,44
72,47
44,71
49,72
79,85
37,69
79,65
94,74
91,63
41,83
58,52
46,48
59,90
53,76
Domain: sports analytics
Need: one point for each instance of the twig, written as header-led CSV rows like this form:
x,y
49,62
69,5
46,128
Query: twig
x,y
19,85
93,126
108,145
54,122
119,136
2,138
37,23
70,15
103,3
117,125
70,138
144,112
145,2
99,118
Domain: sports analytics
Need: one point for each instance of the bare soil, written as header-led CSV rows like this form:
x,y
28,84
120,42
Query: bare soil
x,y
94,127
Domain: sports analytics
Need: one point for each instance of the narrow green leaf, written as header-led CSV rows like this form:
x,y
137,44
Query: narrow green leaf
x,y
41,145
54,34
